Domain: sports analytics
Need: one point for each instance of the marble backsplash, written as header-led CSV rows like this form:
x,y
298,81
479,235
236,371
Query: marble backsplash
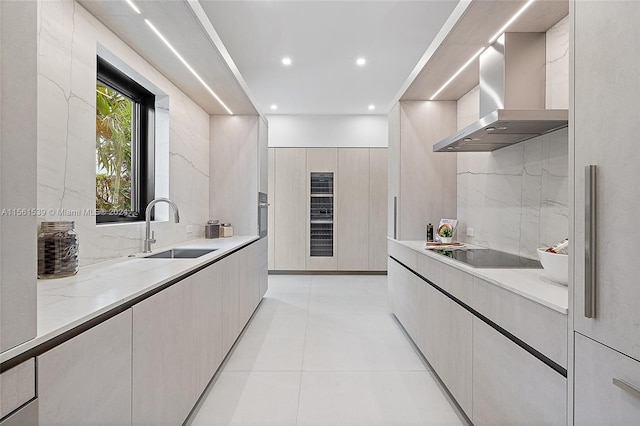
x,y
67,46
516,198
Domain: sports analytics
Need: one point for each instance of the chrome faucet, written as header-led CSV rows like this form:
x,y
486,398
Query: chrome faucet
x,y
150,239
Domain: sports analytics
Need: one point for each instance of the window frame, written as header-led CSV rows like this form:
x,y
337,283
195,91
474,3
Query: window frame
x,y
143,143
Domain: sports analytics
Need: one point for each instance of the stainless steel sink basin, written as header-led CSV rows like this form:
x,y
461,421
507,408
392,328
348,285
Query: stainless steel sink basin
x,y
180,253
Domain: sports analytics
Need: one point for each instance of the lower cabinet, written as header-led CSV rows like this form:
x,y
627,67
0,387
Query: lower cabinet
x,y
493,379
511,386
597,399
445,340
87,380
181,335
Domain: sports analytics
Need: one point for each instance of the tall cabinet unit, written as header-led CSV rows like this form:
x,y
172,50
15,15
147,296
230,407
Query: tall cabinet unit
x,y
605,125
415,170
344,192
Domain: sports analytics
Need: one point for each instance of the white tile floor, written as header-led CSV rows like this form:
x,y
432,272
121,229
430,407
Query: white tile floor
x,y
324,350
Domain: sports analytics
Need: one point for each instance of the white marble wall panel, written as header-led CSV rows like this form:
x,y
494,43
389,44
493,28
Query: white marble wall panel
x,y
68,40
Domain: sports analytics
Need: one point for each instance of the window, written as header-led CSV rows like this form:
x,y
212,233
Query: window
x,y
125,123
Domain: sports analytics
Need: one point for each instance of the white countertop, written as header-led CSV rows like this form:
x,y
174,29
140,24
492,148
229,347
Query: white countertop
x,y
530,283
65,303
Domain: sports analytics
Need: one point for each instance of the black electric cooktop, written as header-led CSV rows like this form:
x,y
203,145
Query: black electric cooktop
x,y
489,258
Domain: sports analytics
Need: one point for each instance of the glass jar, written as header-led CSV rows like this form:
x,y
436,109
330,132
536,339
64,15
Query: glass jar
x,y
57,250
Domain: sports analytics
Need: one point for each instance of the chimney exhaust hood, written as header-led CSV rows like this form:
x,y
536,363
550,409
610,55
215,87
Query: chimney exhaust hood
x,y
512,97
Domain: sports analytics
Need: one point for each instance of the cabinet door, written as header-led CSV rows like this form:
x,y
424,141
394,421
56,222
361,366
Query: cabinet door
x,y
404,297
353,209
322,160
87,380
445,339
263,162
230,267
290,215
165,345
511,386
207,303
378,166
597,400
607,91
272,207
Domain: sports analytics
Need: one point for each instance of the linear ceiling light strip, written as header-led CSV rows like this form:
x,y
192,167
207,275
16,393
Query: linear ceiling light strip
x,y
186,64
494,38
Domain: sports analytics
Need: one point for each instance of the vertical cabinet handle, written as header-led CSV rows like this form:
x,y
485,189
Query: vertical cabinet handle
x,y
627,387
590,241
395,218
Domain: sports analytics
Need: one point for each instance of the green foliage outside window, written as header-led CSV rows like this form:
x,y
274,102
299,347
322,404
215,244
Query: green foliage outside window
x,y
114,123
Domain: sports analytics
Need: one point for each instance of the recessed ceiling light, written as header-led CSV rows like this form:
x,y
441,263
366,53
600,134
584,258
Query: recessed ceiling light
x,y
274,106
286,61
361,62
186,64
372,107
133,6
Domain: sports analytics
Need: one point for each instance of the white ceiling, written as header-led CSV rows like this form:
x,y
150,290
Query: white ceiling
x,y
323,39
237,47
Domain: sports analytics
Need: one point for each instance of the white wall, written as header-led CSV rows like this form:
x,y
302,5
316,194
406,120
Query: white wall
x,y
67,46
310,131
516,198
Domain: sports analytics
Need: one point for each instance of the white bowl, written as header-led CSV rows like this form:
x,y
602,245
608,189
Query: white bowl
x,y
556,265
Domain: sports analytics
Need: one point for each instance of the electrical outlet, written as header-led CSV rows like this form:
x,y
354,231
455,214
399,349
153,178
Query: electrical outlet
x,y
189,229
470,232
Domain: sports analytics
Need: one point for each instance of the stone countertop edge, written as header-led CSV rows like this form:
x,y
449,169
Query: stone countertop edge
x,y
65,303
529,283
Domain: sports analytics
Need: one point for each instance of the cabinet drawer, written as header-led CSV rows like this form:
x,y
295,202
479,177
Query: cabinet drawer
x,y
598,401
512,387
18,386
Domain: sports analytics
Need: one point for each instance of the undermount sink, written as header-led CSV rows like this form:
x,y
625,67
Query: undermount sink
x,y
180,254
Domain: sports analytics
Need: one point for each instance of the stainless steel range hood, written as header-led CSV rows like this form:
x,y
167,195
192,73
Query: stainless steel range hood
x,y
512,97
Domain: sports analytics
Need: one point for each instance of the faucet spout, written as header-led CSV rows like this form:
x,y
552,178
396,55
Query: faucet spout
x,y
150,238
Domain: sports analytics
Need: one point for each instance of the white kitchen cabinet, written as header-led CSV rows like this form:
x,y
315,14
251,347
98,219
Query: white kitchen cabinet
x,y
238,169
322,160
404,297
263,267
378,177
511,386
606,91
352,194
87,379
445,338
603,132
231,275
414,127
600,401
19,35
165,345
291,211
17,386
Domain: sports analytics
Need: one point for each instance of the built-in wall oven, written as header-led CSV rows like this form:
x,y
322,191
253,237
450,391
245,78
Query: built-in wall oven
x,y
263,215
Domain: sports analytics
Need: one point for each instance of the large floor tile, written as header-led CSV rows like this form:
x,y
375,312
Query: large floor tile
x,y
244,398
273,343
357,343
349,294
373,398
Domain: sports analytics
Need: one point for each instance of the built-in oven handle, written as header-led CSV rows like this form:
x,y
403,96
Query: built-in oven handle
x,y
590,241
264,204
